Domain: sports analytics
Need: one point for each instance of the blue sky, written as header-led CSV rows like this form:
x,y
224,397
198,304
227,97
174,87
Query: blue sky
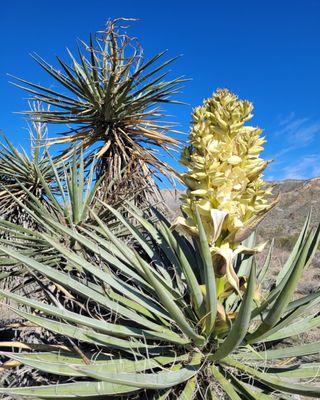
x,y
267,52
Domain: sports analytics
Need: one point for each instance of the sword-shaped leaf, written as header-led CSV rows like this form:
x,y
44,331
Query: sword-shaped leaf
x,y
160,380
240,326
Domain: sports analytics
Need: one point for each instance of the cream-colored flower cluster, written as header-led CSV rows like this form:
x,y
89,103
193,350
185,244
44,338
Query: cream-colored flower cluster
x,y
224,170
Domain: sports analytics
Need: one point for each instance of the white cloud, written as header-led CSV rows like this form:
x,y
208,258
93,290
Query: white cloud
x,y
295,139
297,131
284,120
290,123
305,167
306,134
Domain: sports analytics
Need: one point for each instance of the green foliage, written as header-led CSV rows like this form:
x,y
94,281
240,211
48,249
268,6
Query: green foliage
x,y
143,328
18,168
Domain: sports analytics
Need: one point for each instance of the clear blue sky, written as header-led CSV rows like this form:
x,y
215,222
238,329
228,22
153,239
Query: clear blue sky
x,y
267,52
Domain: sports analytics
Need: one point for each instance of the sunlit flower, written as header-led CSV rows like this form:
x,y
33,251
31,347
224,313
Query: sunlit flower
x,y
224,169
224,177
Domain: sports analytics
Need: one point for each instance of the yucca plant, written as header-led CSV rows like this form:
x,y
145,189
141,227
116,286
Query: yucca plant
x,y
17,168
67,195
21,172
70,194
110,100
66,199
170,315
148,330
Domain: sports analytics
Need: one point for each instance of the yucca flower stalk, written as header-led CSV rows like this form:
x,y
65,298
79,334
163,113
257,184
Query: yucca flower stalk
x,y
224,170
109,98
224,178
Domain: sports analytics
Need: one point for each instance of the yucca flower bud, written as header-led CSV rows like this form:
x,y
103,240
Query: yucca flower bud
x,y
224,175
